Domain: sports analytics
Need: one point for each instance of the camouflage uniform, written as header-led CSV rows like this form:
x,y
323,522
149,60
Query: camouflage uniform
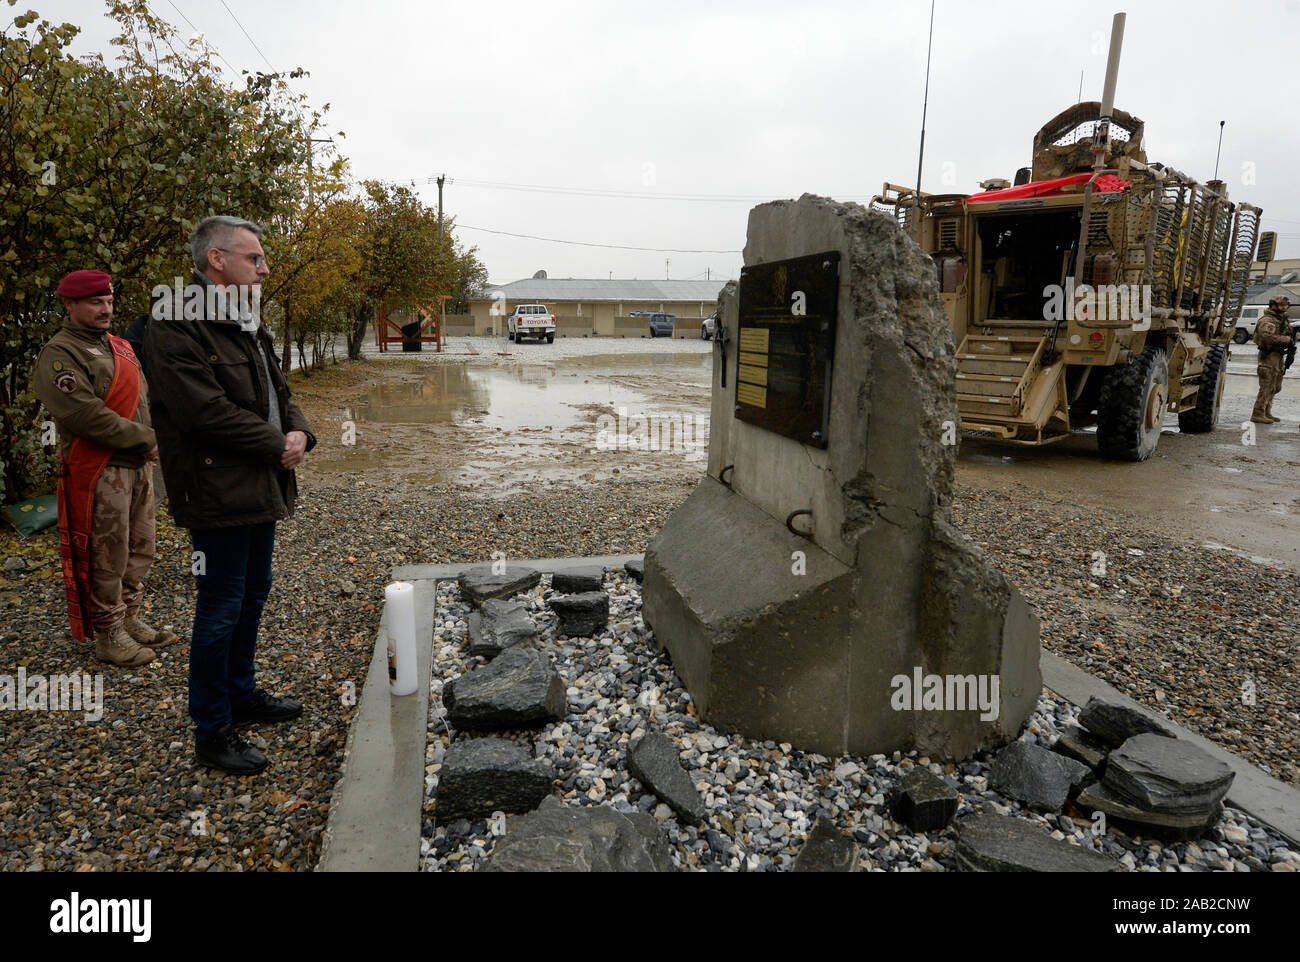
x,y
72,376
1273,335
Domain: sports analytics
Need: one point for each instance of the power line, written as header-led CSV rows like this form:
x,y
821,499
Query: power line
x,y
621,247
205,40
247,34
609,192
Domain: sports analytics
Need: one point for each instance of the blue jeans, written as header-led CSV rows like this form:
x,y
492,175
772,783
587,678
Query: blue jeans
x,y
236,565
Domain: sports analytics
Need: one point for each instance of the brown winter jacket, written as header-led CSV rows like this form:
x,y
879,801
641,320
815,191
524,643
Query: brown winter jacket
x,y
209,400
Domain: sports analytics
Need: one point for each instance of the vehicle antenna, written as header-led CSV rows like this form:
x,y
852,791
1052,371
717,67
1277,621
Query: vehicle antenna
x,y
925,104
1220,150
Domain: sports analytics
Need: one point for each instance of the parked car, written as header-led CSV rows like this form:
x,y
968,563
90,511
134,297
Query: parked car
x,y
709,329
1250,314
660,323
531,320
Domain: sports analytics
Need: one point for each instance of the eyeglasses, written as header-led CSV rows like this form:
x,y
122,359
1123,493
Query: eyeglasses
x,y
257,259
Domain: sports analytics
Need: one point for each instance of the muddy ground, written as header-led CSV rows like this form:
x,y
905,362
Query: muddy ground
x,y
499,422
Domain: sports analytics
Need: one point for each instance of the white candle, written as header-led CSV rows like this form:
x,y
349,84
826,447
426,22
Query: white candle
x,y
399,612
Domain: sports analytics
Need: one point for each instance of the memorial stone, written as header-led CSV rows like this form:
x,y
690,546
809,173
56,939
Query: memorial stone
x,y
812,589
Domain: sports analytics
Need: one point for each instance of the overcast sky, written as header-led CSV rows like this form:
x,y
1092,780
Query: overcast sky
x,y
755,101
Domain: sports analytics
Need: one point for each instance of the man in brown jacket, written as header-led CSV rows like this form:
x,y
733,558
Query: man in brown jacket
x,y
229,437
91,385
1273,335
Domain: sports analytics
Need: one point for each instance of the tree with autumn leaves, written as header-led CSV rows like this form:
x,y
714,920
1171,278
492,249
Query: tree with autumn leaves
x,y
111,166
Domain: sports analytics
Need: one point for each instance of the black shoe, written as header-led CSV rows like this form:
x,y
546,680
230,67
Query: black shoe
x,y
264,708
230,753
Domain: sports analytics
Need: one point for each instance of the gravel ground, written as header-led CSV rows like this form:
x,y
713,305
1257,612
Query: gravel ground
x,y
1199,634
762,797
121,792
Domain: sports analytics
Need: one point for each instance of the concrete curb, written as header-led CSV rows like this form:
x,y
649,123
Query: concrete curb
x,y
545,565
1274,803
375,812
374,818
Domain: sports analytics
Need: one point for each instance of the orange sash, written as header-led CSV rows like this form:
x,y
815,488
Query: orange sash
x,y
78,474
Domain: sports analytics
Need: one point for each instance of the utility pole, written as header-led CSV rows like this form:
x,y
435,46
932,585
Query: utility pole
x,y
441,178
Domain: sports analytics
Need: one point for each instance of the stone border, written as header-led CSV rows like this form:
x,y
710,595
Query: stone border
x,y
1257,793
374,817
375,810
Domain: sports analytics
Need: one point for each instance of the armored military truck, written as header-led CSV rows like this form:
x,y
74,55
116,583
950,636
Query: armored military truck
x,y
1097,289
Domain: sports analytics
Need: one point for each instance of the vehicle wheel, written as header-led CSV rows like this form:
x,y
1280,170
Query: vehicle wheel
x,y
1131,409
1240,336
510,335
550,338
1205,416
704,334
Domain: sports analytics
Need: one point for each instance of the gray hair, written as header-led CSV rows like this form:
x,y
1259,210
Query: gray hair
x,y
214,232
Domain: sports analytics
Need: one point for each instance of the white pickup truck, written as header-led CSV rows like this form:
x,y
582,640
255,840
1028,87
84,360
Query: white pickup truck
x,y
531,320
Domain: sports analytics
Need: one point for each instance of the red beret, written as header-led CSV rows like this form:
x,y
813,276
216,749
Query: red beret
x,y
85,284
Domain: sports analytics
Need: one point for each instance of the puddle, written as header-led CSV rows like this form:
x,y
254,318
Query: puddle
x,y
512,399
998,459
639,361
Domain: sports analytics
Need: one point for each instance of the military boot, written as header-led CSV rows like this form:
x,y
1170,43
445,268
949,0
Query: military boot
x,y
143,634
115,646
1268,412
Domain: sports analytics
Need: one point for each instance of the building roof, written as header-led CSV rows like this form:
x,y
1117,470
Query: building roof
x,y
1261,293
578,289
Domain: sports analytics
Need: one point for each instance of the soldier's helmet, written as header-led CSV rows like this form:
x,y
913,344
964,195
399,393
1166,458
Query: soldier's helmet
x,y
1281,300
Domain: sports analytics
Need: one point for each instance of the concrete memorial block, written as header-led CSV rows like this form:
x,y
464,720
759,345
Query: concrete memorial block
x,y
811,589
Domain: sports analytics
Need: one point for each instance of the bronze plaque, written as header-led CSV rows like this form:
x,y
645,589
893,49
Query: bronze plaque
x,y
786,345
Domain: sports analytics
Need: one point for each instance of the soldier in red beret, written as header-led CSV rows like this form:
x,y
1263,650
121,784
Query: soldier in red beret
x,y
91,383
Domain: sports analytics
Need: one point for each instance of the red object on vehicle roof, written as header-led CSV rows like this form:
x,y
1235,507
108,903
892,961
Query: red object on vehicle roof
x,y
1105,184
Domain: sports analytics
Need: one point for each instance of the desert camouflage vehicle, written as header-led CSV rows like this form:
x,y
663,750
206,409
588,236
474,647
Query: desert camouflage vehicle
x,y
1099,289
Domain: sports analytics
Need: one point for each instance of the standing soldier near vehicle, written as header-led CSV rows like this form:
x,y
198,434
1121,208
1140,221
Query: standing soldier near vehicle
x,y
91,384
1273,335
